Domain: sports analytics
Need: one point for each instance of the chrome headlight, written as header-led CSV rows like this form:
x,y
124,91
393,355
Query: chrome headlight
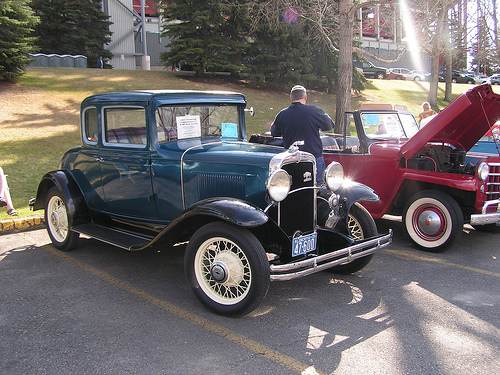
x,y
483,171
278,185
334,176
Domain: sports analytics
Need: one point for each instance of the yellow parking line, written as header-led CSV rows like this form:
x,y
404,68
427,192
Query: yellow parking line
x,y
255,347
440,261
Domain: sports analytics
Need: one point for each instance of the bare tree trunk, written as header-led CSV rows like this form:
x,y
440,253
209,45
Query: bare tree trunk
x,y
495,30
433,86
344,79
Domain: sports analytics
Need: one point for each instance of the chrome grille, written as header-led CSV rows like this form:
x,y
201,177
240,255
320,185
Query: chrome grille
x,y
493,183
493,186
298,211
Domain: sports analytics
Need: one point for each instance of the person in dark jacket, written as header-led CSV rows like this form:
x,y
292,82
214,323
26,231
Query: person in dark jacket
x,y
302,122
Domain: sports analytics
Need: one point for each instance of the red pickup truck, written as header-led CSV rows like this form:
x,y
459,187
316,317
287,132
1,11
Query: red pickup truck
x,y
422,174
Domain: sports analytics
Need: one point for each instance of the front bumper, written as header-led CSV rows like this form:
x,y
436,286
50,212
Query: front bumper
x,y
487,218
295,270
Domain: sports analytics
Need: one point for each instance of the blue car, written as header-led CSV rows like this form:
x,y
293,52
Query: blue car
x,y
175,166
488,145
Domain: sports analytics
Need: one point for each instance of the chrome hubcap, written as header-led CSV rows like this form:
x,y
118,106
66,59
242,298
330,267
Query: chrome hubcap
x,y
429,222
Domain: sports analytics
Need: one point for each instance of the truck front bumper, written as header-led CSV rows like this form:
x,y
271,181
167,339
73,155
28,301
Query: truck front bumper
x,y
487,218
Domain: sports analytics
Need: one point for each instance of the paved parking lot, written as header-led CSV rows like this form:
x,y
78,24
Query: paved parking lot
x,y
102,310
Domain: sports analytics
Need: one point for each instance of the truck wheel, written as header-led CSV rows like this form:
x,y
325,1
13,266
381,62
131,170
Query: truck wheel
x,y
360,226
380,75
227,269
433,220
58,222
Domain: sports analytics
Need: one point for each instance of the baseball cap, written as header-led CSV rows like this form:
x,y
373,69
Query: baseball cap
x,y
298,88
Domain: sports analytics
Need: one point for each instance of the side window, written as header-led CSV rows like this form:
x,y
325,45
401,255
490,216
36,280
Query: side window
x,y
125,126
90,126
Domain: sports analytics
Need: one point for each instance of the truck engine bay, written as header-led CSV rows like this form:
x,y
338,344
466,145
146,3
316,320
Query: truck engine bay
x,y
439,158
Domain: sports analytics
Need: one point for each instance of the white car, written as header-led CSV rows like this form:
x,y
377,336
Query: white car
x,y
481,79
412,75
494,79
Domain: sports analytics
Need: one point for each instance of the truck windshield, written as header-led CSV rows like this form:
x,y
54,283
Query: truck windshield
x,y
389,125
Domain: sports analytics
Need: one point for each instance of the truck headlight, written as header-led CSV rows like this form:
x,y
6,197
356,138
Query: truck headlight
x,y
483,171
278,185
334,176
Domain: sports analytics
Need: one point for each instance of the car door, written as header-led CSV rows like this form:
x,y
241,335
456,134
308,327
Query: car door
x,y
125,162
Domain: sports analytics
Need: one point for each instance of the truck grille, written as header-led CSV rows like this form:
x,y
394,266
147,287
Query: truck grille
x,y
493,185
298,211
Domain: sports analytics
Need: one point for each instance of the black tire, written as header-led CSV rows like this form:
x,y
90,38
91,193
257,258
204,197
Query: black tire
x,y
380,75
360,226
227,269
58,221
433,220
416,79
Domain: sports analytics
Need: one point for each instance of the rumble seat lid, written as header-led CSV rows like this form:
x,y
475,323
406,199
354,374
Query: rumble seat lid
x,y
462,123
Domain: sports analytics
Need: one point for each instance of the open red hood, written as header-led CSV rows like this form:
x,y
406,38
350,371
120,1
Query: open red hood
x,y
462,123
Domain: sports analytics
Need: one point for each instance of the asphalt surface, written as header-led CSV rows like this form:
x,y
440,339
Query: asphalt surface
x,y
102,310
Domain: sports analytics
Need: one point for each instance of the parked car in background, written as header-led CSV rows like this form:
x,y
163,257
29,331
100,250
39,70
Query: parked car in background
x,y
410,75
495,79
393,75
422,174
458,77
370,70
175,166
488,145
481,79
423,73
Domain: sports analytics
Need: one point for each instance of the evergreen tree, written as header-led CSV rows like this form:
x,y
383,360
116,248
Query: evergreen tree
x,y
16,23
280,56
74,27
205,35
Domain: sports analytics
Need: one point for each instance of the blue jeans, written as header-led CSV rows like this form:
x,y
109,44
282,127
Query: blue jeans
x,y
320,167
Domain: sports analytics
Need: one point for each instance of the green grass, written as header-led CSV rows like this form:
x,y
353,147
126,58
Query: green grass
x,y
39,117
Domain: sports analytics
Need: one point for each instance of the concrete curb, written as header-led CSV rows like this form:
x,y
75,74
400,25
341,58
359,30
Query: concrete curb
x,y
21,224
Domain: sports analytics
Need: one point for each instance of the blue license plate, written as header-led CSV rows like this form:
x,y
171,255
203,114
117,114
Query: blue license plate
x,y
304,244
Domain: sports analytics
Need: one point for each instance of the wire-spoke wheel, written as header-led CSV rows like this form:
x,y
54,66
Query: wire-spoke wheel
x,y
360,226
58,222
227,268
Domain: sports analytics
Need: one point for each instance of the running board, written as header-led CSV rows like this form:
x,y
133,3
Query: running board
x,y
114,236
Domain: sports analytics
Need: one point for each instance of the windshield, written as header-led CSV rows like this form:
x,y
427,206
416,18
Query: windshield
x,y
385,125
184,122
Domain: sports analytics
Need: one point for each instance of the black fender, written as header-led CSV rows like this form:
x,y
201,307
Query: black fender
x,y
205,211
349,194
66,184
357,192
233,211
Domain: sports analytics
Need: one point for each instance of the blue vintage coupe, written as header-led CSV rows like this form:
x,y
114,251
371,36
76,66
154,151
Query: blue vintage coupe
x,y
158,166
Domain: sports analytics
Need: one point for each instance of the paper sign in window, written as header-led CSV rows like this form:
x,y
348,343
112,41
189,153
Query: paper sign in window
x,y
188,127
229,130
